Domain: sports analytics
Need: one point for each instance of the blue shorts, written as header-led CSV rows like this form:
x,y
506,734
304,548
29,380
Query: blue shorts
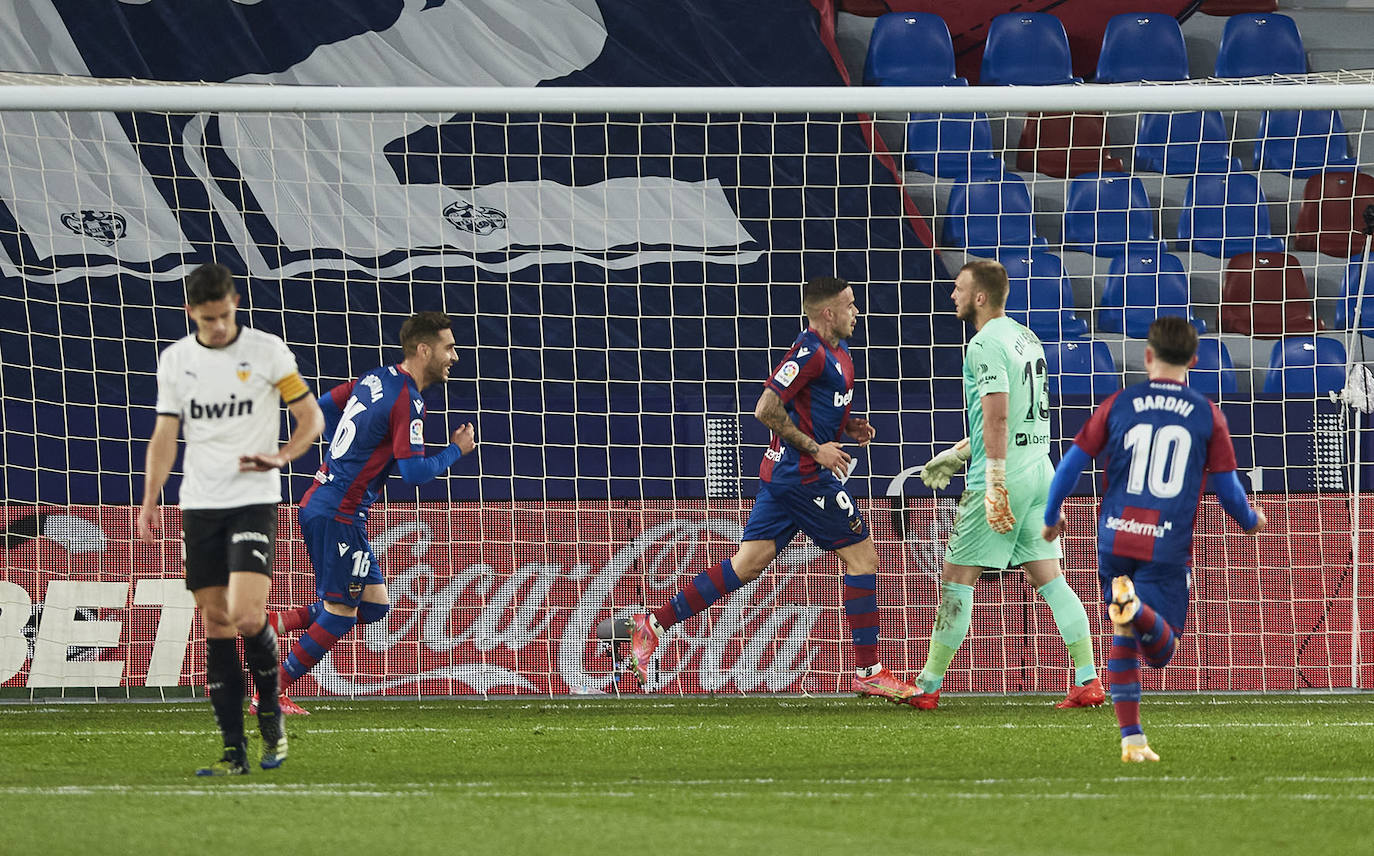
x,y
341,556
823,510
1163,586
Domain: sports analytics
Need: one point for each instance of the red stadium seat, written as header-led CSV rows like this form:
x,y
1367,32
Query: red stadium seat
x,y
1062,145
1265,294
1332,217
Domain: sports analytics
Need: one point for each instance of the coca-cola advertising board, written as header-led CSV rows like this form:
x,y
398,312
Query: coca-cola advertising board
x,y
505,598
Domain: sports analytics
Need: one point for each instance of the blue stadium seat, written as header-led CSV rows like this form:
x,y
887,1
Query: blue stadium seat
x,y
1257,44
910,49
1183,143
1302,142
983,216
1103,212
1142,46
1214,372
1226,215
1306,365
1041,296
1350,291
1027,49
1081,368
1142,285
952,145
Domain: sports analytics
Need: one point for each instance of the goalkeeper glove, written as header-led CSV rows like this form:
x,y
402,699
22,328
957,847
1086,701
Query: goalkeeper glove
x,y
996,503
940,469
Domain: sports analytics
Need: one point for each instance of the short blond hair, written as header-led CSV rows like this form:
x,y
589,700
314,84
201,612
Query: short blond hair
x,y
990,278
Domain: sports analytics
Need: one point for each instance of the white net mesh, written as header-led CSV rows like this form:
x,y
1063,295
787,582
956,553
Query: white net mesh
x,y
621,287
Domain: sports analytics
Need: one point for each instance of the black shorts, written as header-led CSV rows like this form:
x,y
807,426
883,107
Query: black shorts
x,y
217,541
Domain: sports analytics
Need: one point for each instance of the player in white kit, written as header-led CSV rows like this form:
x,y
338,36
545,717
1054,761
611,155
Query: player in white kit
x,y
221,386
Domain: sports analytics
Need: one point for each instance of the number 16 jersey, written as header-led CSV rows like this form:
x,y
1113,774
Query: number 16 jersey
x,y
381,421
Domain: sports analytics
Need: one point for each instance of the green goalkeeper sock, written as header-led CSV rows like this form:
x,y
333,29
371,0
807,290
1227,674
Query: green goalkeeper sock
x,y
1072,620
951,626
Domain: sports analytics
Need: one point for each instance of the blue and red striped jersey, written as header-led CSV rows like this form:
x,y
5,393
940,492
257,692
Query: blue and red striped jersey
x,y
1162,438
381,420
816,385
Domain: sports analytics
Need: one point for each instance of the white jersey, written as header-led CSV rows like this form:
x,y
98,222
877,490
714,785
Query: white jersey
x,y
227,401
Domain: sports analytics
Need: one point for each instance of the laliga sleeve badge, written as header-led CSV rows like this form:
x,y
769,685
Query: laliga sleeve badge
x,y
787,373
417,432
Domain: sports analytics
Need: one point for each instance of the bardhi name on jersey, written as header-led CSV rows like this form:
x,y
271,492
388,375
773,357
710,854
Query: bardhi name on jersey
x,y
816,385
1162,438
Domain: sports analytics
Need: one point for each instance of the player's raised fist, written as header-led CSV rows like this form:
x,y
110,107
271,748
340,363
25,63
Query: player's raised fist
x,y
465,438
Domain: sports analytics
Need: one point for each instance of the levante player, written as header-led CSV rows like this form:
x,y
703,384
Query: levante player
x,y
1161,439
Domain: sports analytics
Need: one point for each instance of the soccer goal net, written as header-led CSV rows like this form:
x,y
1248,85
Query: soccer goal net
x,y
623,268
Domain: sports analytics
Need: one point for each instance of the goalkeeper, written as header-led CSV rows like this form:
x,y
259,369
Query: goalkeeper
x,y
1006,387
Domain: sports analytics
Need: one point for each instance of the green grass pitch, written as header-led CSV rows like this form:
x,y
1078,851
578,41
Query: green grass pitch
x,y
666,774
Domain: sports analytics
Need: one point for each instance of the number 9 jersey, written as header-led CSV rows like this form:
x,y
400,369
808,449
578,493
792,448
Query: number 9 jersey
x,y
1162,438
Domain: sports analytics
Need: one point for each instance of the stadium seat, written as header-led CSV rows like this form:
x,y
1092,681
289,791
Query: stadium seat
x,y
983,216
1183,143
952,145
1103,212
1306,365
1350,295
1062,145
1265,294
1331,220
1258,44
1041,296
1226,215
910,49
1302,142
1214,372
1081,368
1142,46
1143,284
1027,49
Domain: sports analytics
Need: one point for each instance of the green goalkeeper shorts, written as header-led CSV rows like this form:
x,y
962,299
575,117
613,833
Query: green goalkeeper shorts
x,y
973,543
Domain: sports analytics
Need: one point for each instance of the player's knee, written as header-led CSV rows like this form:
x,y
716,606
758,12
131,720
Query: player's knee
x,y
369,612
218,623
248,621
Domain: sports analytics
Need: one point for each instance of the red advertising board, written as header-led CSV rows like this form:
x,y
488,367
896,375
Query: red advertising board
x,y
504,598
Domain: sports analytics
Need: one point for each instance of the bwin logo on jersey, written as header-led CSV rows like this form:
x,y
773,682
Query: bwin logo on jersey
x,y
478,219
105,226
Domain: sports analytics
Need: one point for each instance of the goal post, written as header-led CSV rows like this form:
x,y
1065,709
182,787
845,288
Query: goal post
x,y
624,267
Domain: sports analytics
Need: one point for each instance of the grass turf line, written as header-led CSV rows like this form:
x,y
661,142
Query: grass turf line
x,y
686,775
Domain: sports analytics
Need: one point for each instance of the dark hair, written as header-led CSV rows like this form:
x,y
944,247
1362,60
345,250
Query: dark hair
x,y
422,327
819,290
990,278
208,283
1173,340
